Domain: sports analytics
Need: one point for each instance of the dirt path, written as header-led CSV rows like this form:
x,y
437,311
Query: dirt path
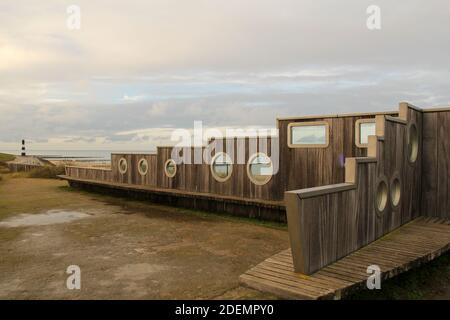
x,y
125,249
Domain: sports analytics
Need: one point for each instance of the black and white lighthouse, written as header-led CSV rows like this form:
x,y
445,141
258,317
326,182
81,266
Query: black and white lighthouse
x,y
23,148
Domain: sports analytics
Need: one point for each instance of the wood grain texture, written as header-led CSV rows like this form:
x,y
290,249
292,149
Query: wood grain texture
x,y
22,167
304,168
443,165
132,175
360,222
198,177
298,168
99,174
250,208
436,164
407,247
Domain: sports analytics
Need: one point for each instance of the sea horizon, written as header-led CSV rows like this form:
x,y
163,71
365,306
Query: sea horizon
x,y
73,154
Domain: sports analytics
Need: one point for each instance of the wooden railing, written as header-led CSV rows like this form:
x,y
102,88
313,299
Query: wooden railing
x,y
89,173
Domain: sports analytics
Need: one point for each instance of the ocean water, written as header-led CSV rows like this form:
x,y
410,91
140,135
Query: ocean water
x,y
81,155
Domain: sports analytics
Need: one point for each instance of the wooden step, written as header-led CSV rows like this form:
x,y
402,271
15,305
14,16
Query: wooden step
x,y
409,246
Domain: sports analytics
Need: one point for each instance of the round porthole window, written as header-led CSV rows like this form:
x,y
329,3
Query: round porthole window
x,y
259,169
170,168
395,191
381,196
413,143
221,167
123,166
143,166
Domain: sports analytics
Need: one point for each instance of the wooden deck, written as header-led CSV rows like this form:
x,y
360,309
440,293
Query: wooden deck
x,y
409,246
180,193
252,208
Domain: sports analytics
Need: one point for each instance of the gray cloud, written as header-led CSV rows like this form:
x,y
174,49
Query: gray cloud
x,y
164,64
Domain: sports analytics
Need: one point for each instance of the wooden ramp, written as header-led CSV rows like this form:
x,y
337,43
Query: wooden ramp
x,y
407,247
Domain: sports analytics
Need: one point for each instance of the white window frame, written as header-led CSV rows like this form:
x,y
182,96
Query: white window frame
x,y
358,131
213,173
308,124
165,168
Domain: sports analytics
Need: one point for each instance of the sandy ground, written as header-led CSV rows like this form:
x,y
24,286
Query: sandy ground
x,y
125,249
135,250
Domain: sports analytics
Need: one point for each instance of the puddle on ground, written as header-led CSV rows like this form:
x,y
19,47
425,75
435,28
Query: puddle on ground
x,y
42,219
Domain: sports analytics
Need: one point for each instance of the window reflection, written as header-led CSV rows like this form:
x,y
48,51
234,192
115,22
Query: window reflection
x,y
222,166
366,129
260,169
309,134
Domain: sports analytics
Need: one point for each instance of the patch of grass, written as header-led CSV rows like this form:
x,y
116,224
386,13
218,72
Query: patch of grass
x,y
429,281
4,157
226,216
46,172
24,195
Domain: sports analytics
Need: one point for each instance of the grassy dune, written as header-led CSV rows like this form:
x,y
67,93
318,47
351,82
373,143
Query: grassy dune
x,y
4,157
45,172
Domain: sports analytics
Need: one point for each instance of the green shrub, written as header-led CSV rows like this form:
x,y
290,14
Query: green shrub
x,y
46,172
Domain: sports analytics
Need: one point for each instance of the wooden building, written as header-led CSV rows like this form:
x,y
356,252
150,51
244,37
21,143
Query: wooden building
x,y
241,192
340,181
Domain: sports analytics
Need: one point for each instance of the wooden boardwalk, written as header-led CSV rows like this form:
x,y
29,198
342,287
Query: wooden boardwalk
x,y
233,205
407,247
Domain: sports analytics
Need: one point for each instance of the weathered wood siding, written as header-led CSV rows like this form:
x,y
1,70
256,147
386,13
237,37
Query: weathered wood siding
x,y
132,175
297,168
412,172
310,167
98,174
19,167
436,164
329,222
198,177
193,177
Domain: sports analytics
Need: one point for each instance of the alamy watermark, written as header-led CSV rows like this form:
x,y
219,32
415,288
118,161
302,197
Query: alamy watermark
x,y
73,281
374,279
239,144
73,21
374,19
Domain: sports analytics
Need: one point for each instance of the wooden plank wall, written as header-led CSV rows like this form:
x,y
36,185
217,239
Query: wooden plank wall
x,y
132,176
436,164
305,168
298,168
412,172
326,228
198,177
99,174
327,223
194,177
18,167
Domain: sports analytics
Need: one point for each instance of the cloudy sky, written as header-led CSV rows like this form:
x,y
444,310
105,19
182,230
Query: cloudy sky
x,y
137,69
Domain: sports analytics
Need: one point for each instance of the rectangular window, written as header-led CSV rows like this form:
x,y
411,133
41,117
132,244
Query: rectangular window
x,y
363,129
308,134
